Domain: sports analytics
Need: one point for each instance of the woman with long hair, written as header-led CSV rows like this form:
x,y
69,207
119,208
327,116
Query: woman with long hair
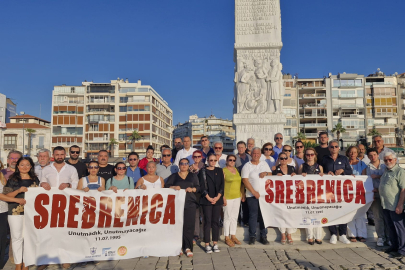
x,y
18,183
92,181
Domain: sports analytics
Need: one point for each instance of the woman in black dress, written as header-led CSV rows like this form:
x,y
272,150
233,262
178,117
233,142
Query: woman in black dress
x,y
188,181
18,183
212,193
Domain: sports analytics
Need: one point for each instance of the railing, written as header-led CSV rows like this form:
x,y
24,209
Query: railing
x,y
311,134
349,96
10,146
313,105
312,115
98,139
313,95
379,83
384,124
100,110
313,125
100,101
384,114
67,133
353,115
347,106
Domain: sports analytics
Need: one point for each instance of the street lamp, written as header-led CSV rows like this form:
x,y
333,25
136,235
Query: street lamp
x,y
23,113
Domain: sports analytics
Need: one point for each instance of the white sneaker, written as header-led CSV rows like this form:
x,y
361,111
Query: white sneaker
x,y
208,249
333,239
380,242
344,239
216,248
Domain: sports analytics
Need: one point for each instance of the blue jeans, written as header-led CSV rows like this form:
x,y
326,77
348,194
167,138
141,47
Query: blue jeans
x,y
255,215
396,228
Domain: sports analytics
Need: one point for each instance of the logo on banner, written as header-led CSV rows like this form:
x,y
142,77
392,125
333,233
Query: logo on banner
x,y
107,252
306,221
324,220
93,250
122,250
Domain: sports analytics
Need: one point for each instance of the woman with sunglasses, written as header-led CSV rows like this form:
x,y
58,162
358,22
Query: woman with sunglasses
x,y
198,161
299,154
120,181
189,182
233,192
92,181
357,227
310,166
212,193
150,180
268,152
287,149
18,183
284,169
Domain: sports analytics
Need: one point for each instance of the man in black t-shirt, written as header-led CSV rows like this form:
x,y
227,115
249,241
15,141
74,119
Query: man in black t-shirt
x,y
322,149
106,170
81,168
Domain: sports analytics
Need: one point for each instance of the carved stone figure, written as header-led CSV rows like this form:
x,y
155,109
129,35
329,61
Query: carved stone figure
x,y
261,75
242,78
273,87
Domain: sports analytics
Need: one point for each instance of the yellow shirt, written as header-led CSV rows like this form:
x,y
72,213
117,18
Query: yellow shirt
x,y
232,184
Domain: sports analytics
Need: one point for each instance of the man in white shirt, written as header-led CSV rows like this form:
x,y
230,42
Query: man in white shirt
x,y
362,154
59,174
218,147
186,152
44,158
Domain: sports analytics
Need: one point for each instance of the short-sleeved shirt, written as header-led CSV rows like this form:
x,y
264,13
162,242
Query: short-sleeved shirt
x,y
322,151
371,169
270,161
165,172
232,184
7,172
106,172
124,183
252,171
358,168
241,162
135,174
391,184
277,151
13,185
81,168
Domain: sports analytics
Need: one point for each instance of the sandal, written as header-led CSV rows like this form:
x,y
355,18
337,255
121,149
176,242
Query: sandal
x,y
229,242
290,241
235,240
181,253
362,239
283,241
189,253
352,239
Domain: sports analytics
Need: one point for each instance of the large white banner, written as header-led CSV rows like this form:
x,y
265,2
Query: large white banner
x,y
302,202
72,226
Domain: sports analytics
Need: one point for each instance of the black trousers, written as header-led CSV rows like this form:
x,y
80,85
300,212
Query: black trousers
x,y
245,212
3,237
188,226
342,229
212,213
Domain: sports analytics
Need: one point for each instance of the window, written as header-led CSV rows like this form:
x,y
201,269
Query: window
x,y
123,99
41,140
335,93
123,108
10,141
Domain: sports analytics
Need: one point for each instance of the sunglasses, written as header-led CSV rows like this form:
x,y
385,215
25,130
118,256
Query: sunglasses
x,y
285,150
132,159
196,156
310,155
279,138
204,140
121,168
75,152
268,149
299,146
388,160
212,160
377,141
166,155
218,147
283,158
183,164
331,147
93,167
231,160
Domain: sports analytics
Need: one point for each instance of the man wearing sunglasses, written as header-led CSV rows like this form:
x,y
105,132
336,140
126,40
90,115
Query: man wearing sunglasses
x,y
221,158
278,148
205,148
166,168
378,144
75,162
133,170
335,164
392,194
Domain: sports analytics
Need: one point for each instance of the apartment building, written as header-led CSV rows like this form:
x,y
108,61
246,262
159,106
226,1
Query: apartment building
x,y
91,115
290,109
216,129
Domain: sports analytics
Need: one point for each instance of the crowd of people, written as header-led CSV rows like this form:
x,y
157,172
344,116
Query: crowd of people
x,y
221,190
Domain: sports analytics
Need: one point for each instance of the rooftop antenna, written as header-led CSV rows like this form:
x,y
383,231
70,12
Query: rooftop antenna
x,y
40,110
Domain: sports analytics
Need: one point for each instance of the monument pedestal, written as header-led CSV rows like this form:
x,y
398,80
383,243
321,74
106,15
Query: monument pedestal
x,y
261,127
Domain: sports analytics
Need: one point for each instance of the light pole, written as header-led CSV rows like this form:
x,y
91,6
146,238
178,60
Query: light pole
x,y
23,133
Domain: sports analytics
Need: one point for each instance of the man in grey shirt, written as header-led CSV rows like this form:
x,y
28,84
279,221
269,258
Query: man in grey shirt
x,y
167,168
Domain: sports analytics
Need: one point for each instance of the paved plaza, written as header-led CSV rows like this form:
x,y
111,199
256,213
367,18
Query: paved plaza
x,y
362,256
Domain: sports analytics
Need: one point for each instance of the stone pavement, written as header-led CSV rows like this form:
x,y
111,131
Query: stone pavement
x,y
356,256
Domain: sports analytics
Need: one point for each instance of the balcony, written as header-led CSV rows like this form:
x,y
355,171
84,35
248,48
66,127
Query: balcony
x,y
311,135
384,124
310,115
100,101
41,146
349,96
379,83
99,111
313,105
313,96
353,115
385,114
337,106
98,139
10,146
307,125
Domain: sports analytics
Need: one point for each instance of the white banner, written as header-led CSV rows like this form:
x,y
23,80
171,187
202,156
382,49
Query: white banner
x,y
73,226
302,202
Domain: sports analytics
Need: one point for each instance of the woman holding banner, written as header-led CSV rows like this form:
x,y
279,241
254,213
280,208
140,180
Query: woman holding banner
x,y
18,183
357,227
189,182
92,181
285,169
312,167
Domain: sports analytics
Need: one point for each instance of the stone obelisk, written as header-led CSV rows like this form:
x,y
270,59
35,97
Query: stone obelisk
x,y
259,88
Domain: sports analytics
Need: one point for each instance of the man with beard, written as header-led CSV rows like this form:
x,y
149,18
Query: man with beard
x,y
60,175
221,158
74,161
392,194
12,158
106,170
44,158
178,145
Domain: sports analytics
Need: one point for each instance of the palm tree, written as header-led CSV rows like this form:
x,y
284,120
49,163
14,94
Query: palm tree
x,y
373,132
111,144
30,131
339,129
300,136
134,137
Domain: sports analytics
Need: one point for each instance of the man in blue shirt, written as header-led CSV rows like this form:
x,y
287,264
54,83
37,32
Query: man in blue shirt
x,y
133,170
205,148
278,147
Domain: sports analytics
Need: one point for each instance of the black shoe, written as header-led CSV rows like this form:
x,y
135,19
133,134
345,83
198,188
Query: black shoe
x,y
396,254
390,249
371,222
318,242
252,240
264,241
246,225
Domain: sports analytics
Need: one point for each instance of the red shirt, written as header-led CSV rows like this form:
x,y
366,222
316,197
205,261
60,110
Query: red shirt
x,y
143,162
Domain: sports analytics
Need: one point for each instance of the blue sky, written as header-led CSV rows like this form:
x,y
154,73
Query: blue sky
x,y
182,48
